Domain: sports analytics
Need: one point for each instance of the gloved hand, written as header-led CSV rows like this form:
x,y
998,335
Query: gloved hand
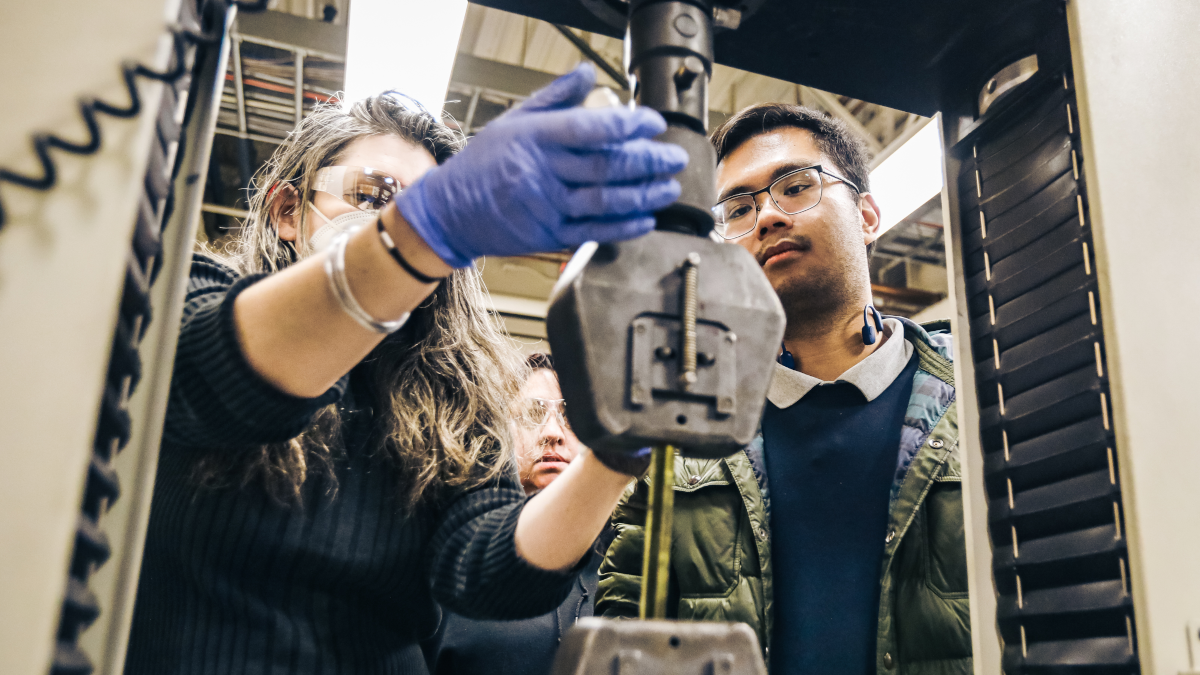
x,y
546,176
634,463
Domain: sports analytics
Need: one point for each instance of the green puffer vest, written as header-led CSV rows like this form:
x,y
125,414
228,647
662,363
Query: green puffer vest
x,y
721,566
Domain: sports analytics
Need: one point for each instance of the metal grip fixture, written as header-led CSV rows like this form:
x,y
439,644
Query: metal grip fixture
x,y
691,278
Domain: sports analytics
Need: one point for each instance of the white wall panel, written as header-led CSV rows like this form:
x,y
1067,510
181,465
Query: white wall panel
x,y
62,259
1136,66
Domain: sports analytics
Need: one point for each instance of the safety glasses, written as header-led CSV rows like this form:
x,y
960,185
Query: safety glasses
x,y
534,413
362,187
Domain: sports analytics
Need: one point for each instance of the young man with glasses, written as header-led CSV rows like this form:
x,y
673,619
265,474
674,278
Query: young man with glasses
x,y
545,446
838,533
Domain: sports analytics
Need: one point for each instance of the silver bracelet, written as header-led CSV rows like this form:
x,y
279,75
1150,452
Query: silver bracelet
x,y
335,270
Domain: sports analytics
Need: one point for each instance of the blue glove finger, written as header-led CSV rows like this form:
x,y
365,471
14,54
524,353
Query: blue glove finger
x,y
619,200
596,230
565,92
595,128
636,161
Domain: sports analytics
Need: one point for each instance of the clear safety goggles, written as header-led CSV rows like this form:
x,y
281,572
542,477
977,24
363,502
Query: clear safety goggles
x,y
362,187
535,413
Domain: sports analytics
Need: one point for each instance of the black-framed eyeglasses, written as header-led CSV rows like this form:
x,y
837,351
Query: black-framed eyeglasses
x,y
794,192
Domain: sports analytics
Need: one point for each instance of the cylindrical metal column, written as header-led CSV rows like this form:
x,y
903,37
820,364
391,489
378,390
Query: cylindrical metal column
x,y
670,64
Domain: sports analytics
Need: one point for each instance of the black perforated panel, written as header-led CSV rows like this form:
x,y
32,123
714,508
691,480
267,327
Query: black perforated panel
x,y
1054,492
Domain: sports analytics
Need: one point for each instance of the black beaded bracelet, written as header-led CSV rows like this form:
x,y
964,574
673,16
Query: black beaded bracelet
x,y
395,253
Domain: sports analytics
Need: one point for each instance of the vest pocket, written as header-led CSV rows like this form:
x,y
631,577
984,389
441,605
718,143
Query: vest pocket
x,y
946,569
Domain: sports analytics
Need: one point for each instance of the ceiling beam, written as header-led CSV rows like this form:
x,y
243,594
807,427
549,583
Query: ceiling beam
x,y
471,71
593,55
830,103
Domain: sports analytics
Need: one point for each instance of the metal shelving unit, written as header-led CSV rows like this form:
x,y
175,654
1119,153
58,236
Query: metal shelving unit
x,y
270,87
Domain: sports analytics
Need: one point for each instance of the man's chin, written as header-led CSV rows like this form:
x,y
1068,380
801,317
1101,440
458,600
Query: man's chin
x,y
805,291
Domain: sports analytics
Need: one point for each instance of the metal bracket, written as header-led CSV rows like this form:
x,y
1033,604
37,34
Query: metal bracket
x,y
656,363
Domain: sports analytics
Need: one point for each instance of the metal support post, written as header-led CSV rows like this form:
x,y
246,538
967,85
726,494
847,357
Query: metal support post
x,y
299,87
239,87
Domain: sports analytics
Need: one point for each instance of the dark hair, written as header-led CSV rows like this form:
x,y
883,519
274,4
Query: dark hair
x,y
540,361
834,139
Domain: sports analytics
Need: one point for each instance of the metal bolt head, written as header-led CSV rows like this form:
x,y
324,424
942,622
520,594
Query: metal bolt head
x,y
688,377
693,258
991,86
731,338
686,25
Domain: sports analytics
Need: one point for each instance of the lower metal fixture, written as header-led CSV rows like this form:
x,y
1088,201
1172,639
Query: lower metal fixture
x,y
600,647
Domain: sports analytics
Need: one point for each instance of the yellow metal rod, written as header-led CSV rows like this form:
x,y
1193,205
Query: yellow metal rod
x,y
656,560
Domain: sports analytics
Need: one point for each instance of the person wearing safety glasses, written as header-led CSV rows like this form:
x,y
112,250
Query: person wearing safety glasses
x,y
337,449
545,442
545,447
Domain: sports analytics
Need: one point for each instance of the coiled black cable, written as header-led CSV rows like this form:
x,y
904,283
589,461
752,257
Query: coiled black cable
x,y
88,107
193,50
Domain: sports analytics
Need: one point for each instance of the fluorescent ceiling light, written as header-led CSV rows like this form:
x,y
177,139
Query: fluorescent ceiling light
x,y
909,177
406,45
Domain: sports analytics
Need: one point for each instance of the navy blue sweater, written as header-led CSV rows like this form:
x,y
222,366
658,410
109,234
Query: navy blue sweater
x,y
831,458
234,582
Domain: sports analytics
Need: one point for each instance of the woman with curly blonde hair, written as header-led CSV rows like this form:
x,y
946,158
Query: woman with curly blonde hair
x,y
336,455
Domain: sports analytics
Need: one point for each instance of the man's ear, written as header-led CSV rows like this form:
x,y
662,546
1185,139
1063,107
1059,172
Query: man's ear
x,y
870,217
284,211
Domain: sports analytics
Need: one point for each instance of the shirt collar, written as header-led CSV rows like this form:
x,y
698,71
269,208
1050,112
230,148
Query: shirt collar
x,y
871,376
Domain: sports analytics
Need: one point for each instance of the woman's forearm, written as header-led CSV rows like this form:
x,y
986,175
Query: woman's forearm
x,y
558,525
295,334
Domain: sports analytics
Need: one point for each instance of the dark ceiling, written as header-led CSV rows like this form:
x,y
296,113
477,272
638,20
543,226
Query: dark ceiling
x,y
911,55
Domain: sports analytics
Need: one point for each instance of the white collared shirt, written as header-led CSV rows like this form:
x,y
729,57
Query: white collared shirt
x,y
871,376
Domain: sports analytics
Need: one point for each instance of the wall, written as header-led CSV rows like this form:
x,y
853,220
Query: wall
x,y
1135,74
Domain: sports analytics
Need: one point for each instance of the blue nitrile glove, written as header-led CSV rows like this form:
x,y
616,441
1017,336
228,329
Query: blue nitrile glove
x,y
546,176
634,463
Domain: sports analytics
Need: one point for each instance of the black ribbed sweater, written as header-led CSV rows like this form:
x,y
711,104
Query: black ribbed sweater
x,y
233,582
